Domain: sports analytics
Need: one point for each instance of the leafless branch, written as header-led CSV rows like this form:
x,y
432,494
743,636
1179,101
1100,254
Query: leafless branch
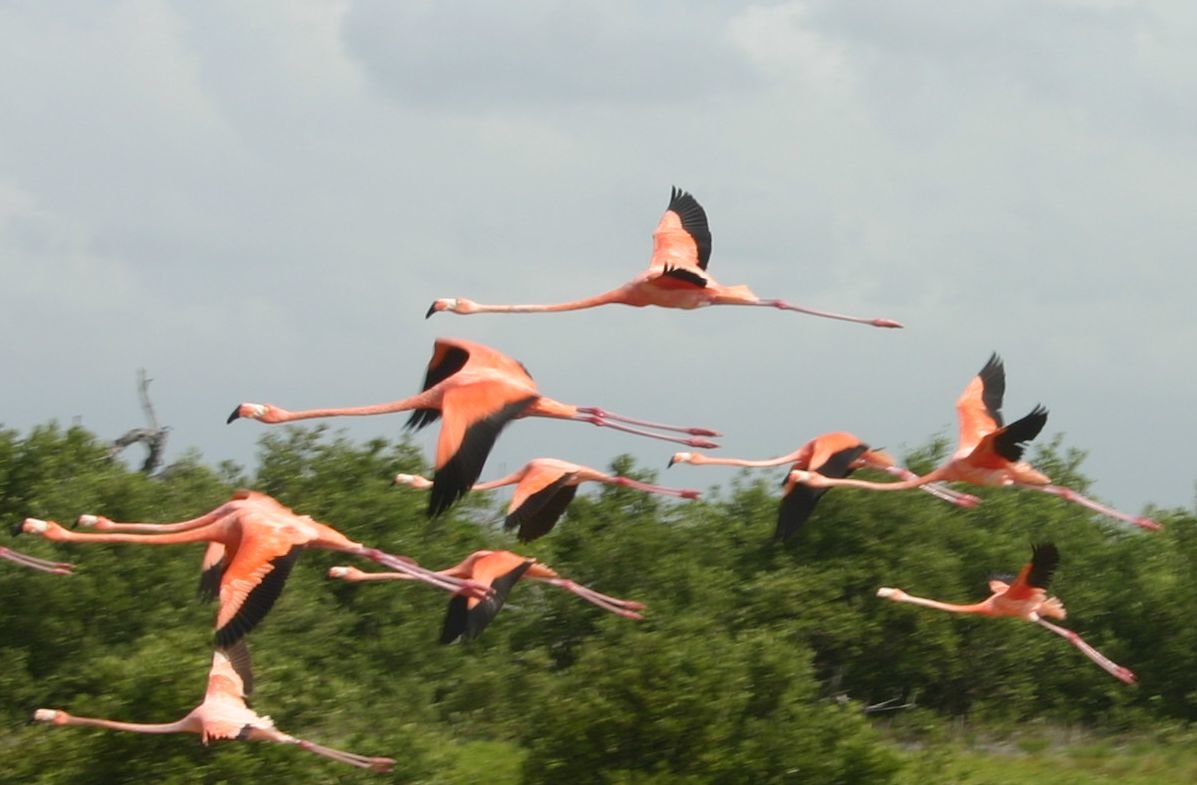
x,y
153,437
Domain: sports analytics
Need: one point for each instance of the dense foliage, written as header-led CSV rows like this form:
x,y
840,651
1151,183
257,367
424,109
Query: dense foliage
x,y
755,664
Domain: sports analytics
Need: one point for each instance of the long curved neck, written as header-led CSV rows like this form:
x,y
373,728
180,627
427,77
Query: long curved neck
x,y
510,479
420,401
204,534
698,459
220,515
628,482
606,298
913,481
979,607
186,725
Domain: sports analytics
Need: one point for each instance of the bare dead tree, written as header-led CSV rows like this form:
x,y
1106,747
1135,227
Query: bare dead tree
x,y
153,437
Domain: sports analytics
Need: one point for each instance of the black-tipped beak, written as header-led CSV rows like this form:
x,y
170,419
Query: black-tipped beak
x,y
431,310
670,464
236,413
17,529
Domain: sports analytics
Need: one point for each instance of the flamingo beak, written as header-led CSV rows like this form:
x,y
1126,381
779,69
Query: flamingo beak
x,y
236,414
431,310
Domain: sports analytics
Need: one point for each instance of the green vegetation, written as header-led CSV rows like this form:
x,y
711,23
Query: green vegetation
x,y
754,665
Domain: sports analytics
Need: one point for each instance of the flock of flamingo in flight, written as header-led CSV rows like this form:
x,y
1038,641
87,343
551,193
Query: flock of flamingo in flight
x,y
476,391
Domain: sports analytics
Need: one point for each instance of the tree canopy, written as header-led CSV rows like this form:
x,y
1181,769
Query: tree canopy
x,y
757,661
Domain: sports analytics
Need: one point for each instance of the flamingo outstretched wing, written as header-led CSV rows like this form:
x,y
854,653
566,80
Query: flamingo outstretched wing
x,y
474,416
253,580
539,502
1035,574
447,359
1007,444
799,502
682,237
468,617
979,407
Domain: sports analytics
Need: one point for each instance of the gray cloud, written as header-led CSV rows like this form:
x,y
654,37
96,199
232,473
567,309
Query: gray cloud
x,y
492,56
260,202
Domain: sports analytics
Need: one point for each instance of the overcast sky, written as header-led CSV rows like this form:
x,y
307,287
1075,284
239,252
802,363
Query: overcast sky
x,y
258,201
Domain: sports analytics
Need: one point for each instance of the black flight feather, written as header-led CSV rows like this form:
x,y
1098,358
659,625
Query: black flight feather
x,y
993,387
839,464
1010,442
454,360
694,221
797,506
468,623
209,582
454,479
795,510
682,274
243,665
455,619
1044,560
540,512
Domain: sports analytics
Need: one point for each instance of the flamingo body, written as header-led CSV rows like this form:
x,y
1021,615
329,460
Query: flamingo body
x,y
1024,598
260,545
499,570
476,391
676,277
544,487
835,455
223,715
989,452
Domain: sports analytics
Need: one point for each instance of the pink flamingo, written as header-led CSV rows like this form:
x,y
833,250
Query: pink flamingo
x,y
676,276
261,549
214,561
468,616
222,715
835,454
544,488
1026,598
478,391
988,453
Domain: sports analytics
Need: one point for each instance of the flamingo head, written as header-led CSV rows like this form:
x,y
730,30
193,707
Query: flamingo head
x,y
681,457
412,480
452,305
252,411
32,526
56,716
91,521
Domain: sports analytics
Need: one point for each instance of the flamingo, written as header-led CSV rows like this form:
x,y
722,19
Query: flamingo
x,y
34,563
261,548
479,391
1027,599
222,715
676,276
544,488
988,452
468,616
214,561
835,454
